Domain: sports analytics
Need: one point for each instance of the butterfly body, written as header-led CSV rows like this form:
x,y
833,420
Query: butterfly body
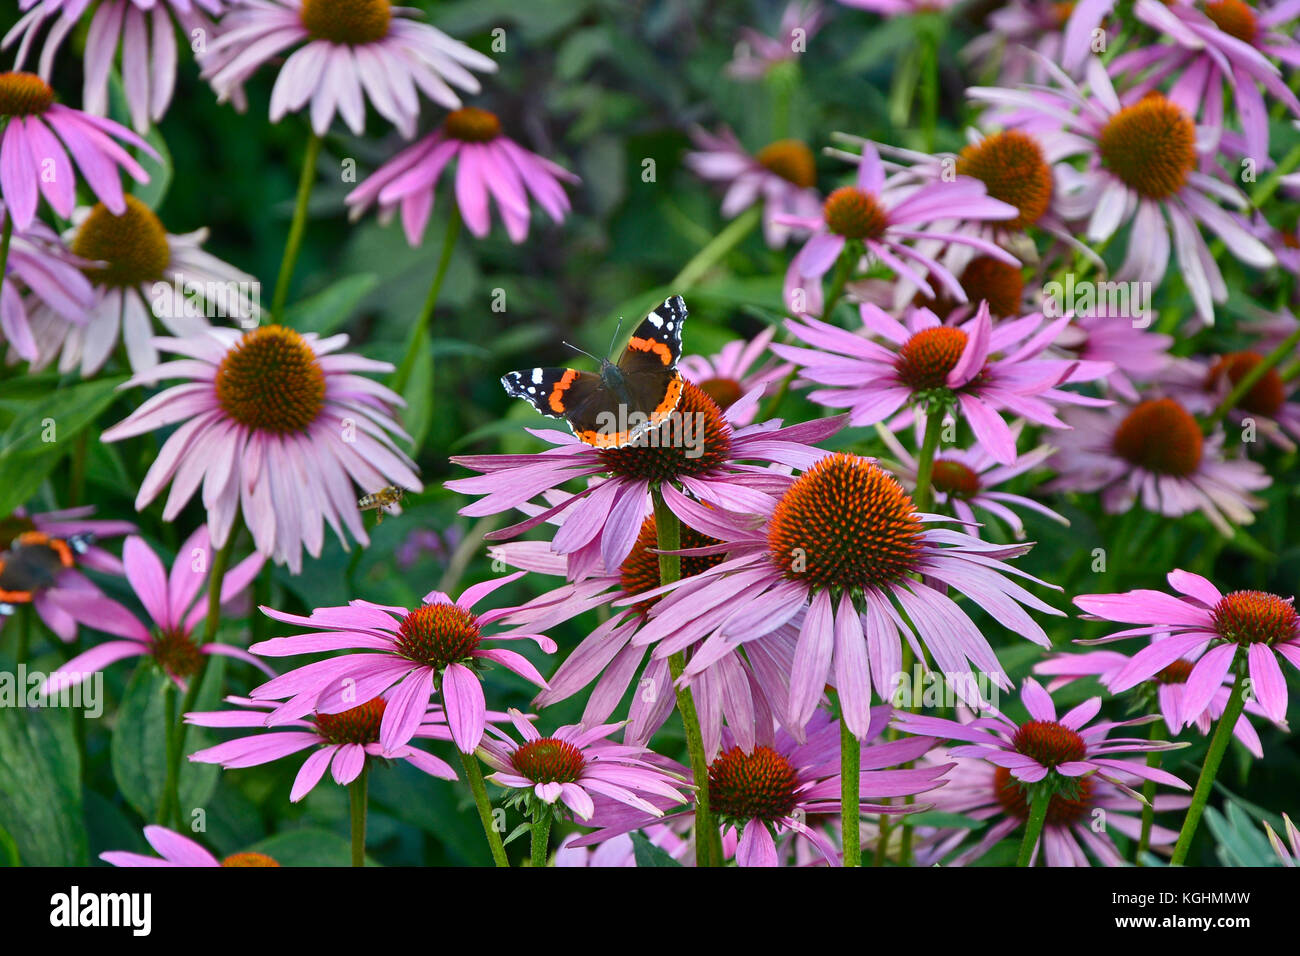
x,y
625,399
33,562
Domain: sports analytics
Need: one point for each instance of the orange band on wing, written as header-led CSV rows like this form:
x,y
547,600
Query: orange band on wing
x,y
650,345
556,400
57,545
671,398
601,440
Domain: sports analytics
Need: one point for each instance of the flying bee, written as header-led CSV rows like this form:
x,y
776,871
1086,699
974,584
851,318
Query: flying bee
x,y
381,501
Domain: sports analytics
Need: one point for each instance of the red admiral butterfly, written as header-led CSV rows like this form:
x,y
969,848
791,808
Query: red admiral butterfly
x,y
622,402
33,562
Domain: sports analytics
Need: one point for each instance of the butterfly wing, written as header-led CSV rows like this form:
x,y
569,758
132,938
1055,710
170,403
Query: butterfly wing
x,y
577,397
649,364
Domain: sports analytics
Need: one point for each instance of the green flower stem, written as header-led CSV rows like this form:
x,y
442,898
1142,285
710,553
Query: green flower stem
x,y
1250,378
704,260
1148,794
1213,758
850,804
168,801
296,227
923,497
418,339
849,256
1038,804
781,81
358,793
931,30
708,842
541,837
474,774
1263,192
5,236
177,729
778,396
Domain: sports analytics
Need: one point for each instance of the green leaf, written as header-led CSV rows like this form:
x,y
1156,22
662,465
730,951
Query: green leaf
x,y
40,787
154,191
138,751
327,310
517,832
41,432
939,818
647,854
8,850
418,414
1240,841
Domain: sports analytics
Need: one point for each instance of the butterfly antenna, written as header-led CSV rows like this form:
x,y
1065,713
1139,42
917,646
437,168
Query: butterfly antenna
x,y
614,340
582,351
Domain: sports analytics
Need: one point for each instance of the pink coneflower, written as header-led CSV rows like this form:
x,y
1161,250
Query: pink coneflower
x,y
143,272
1216,45
782,176
719,464
979,790
1015,168
844,536
1142,165
773,788
348,53
436,647
1061,752
38,136
1164,692
731,373
62,541
575,762
974,367
884,223
1136,354
40,276
177,850
966,479
489,166
757,53
742,687
274,424
1270,405
1155,455
173,613
144,31
1262,626
343,741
